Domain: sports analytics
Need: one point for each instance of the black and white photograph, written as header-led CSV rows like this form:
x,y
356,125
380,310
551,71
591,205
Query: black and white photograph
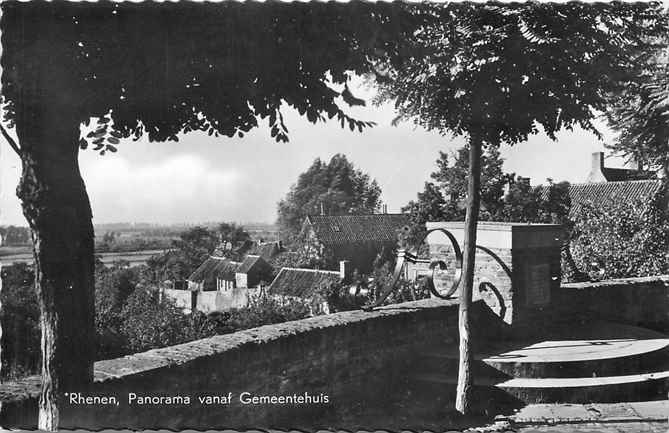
x,y
334,216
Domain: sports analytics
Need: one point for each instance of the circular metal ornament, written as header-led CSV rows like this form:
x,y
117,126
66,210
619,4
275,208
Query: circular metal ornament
x,y
411,256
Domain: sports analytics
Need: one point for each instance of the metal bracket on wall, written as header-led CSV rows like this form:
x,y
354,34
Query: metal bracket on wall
x,y
411,256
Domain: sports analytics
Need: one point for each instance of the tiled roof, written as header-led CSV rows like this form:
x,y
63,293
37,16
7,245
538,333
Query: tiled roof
x,y
284,258
267,250
224,247
626,191
250,262
221,249
214,268
622,174
357,228
301,283
244,248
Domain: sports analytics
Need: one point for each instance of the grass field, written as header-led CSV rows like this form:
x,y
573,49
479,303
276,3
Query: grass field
x,y
133,257
10,251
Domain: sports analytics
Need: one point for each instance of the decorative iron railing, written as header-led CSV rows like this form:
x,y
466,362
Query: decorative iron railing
x,y
411,256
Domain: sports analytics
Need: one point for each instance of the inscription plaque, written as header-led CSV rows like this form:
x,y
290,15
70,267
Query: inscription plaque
x,y
538,285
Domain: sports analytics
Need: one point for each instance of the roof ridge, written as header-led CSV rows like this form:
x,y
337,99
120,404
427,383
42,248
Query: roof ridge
x,y
307,269
359,215
222,258
611,181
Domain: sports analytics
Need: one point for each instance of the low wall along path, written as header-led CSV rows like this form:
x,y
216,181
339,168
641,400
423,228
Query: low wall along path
x,y
284,375
309,372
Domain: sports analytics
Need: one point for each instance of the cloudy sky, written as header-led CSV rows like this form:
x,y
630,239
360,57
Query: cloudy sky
x,y
202,178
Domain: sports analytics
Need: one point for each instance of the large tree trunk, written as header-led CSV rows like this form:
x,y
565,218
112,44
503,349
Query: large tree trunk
x,y
465,379
57,208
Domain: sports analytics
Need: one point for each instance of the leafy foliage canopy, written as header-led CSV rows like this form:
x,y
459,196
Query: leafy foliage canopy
x,y
501,71
335,187
164,69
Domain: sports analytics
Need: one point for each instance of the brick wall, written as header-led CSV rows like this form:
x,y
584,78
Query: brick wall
x,y
517,268
635,301
486,270
359,359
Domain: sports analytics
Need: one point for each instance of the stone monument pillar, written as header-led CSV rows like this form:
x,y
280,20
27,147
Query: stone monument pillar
x,y
517,267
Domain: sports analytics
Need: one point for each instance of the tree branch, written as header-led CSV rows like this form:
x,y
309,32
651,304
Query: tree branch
x,y
10,140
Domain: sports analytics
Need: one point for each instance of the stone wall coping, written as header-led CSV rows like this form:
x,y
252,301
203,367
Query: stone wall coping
x,y
172,356
182,353
493,225
616,282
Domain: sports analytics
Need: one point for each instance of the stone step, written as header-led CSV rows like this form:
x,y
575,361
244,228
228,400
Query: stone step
x,y
624,358
635,387
593,349
446,362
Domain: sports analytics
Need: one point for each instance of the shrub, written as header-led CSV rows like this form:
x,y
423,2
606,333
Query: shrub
x,y
618,239
369,288
20,322
265,310
338,297
113,286
129,317
149,324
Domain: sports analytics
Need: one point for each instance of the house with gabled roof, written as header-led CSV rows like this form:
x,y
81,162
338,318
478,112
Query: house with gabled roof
x,y
616,191
600,173
606,184
215,273
253,271
308,285
302,283
220,284
267,250
356,238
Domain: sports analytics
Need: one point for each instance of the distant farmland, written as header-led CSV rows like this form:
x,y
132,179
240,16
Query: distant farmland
x,y
135,258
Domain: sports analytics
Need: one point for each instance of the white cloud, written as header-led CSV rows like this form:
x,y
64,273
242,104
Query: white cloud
x,y
179,188
204,178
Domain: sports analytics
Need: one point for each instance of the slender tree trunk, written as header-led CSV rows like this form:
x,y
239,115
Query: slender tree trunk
x,y
57,208
465,379
665,175
3,340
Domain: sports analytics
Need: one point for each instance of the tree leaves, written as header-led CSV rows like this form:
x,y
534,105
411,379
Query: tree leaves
x,y
103,137
337,186
443,200
350,99
619,239
639,114
501,70
220,77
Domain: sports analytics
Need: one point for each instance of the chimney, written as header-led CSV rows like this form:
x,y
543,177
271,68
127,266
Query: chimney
x,y
597,161
345,270
385,208
322,211
634,164
597,168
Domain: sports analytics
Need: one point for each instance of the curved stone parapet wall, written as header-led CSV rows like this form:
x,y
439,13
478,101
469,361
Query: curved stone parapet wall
x,y
354,358
357,359
642,301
